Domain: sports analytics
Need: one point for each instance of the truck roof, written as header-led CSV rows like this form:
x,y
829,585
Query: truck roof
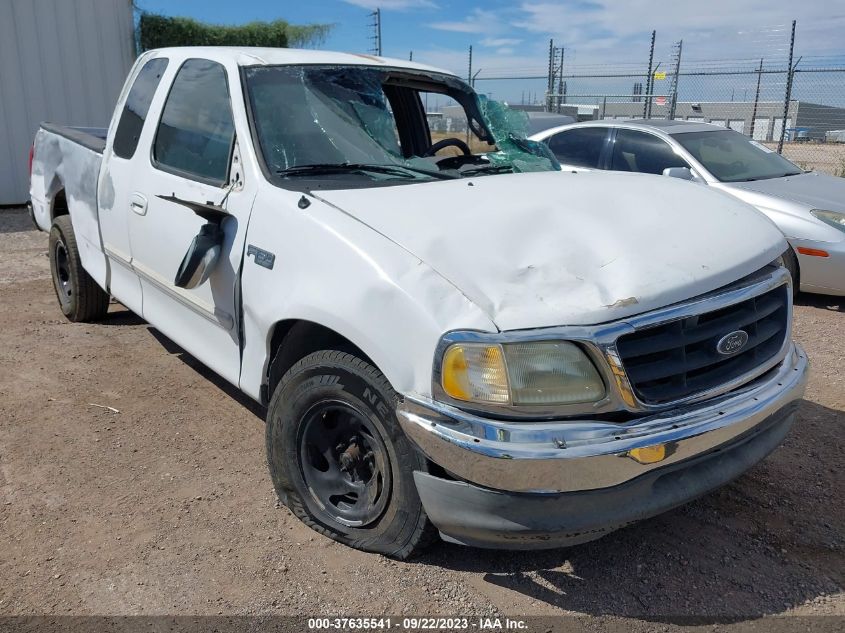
x,y
257,56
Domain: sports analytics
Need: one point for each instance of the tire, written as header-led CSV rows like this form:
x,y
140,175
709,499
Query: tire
x,y
80,298
790,262
339,459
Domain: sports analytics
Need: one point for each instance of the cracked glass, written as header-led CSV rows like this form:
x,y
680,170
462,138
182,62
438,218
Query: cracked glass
x,y
362,123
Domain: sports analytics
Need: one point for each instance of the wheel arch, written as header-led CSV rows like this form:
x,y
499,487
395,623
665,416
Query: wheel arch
x,y
793,262
58,200
291,340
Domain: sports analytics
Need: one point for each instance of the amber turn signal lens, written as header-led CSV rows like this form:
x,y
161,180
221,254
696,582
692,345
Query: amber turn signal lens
x,y
475,372
813,252
648,454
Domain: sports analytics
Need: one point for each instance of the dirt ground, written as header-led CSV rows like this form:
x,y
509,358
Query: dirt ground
x,y
167,508
828,158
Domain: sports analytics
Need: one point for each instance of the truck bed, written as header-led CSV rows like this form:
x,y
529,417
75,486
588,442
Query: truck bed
x,y
94,138
65,173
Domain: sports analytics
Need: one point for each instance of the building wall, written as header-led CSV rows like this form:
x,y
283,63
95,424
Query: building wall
x,y
815,120
804,120
60,60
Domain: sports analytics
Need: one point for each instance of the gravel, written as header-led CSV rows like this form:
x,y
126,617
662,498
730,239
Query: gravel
x,y
166,507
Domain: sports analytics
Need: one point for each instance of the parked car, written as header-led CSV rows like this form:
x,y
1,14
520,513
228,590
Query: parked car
x,y
808,207
441,343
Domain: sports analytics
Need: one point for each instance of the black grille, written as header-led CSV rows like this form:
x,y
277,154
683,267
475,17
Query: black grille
x,y
674,360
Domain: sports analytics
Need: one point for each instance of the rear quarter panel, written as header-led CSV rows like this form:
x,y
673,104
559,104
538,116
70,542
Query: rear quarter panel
x,y
61,164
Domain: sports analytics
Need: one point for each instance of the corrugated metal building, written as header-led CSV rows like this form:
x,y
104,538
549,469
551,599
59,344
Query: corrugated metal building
x,y
62,61
804,121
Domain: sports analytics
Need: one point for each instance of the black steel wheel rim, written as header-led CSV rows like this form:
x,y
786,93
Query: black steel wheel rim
x,y
62,272
344,463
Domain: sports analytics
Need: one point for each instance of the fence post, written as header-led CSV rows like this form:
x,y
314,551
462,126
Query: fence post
x,y
550,85
378,19
675,79
560,81
756,99
789,73
649,80
650,100
469,68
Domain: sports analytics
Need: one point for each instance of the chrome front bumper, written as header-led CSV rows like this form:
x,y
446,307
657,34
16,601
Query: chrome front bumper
x,y
577,455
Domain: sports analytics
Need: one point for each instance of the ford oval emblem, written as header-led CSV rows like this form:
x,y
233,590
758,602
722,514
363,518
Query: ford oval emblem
x,y
732,343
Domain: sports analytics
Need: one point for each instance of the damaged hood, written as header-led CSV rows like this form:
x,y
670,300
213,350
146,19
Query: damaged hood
x,y
545,249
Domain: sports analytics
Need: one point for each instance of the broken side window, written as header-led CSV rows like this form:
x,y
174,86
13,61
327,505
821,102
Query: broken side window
x,y
509,129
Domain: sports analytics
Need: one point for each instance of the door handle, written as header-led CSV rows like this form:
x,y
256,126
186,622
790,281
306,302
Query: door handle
x,y
138,203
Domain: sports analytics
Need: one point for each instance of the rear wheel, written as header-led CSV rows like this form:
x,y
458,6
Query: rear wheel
x,y
80,298
339,459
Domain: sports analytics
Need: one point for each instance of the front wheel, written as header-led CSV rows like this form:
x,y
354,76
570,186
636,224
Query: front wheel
x,y
790,262
339,459
80,298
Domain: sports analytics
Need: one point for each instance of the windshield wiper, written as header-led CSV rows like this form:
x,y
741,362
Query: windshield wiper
x,y
790,173
488,169
339,168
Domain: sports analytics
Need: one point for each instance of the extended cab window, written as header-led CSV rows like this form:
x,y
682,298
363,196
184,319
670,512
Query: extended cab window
x,y
580,147
643,152
136,107
196,131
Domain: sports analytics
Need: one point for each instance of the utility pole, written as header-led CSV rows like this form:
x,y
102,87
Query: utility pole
x,y
788,95
649,80
411,56
376,36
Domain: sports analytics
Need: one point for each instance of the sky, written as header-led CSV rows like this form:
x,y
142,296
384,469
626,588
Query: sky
x,y
512,37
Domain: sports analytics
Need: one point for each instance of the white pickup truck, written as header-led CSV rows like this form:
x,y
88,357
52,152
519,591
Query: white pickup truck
x,y
458,343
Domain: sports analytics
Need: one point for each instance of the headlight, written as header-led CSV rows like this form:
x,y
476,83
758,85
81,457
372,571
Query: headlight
x,y
831,218
543,373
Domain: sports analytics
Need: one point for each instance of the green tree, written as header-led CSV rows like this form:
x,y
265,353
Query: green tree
x,y
159,31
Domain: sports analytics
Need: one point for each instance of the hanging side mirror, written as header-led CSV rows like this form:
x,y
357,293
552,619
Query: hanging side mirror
x,y
201,257
204,251
683,173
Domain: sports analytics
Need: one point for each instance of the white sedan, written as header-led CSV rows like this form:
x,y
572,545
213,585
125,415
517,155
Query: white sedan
x,y
808,207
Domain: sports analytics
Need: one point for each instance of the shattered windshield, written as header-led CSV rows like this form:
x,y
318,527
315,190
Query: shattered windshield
x,y
365,126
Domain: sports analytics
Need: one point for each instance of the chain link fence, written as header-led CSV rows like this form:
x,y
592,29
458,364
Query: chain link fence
x,y
794,105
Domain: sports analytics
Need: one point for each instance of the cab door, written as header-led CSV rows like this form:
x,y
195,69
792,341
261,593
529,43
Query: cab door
x,y
194,161
117,183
